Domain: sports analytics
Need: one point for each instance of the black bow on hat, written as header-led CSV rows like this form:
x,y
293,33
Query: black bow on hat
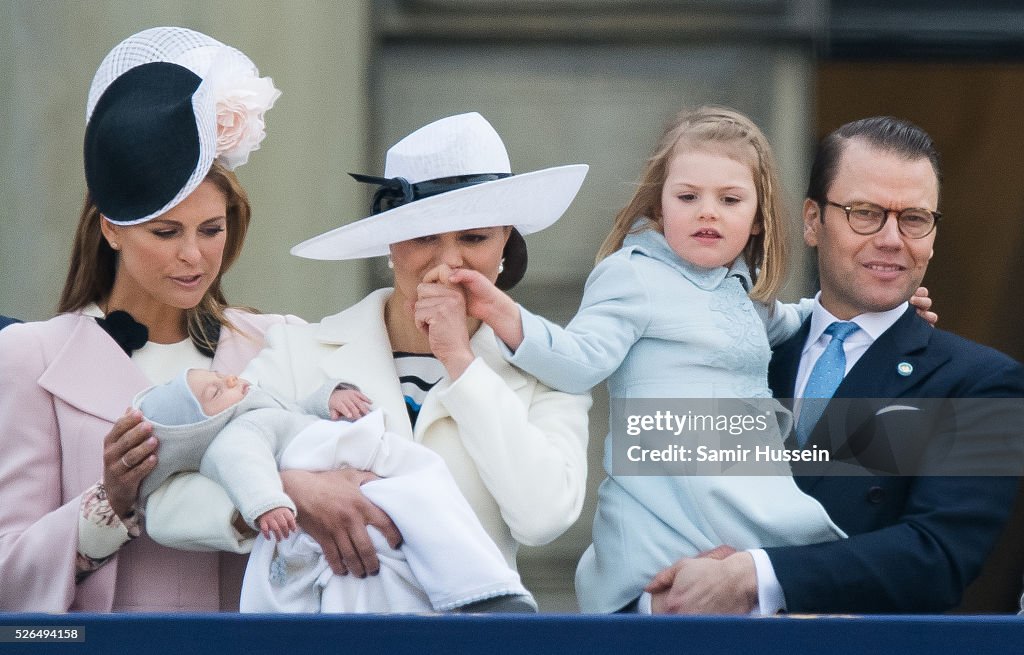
x,y
397,191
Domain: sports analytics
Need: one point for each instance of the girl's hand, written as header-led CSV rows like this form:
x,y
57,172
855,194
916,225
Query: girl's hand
x,y
491,305
349,403
440,312
923,303
129,455
279,521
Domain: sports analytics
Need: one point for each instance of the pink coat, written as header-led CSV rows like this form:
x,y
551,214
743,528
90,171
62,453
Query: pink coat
x,y
63,383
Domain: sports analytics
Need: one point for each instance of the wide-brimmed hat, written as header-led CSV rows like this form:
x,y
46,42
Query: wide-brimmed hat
x,y
163,105
453,174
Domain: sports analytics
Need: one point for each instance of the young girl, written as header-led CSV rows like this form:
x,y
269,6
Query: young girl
x,y
681,304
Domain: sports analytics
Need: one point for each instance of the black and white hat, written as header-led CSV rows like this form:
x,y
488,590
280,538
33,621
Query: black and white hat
x,y
163,105
453,174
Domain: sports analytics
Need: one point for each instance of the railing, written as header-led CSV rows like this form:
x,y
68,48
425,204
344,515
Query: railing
x,y
224,634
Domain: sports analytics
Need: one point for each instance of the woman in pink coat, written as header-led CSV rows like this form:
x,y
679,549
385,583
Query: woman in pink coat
x,y
170,113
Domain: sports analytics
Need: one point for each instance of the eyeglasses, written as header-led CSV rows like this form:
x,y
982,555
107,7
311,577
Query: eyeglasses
x,y
868,218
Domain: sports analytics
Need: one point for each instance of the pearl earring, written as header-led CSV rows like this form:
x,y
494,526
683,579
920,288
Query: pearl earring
x,y
501,266
114,246
391,264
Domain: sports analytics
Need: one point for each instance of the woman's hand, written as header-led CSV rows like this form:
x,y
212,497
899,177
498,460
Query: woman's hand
x,y
440,312
129,455
491,305
335,513
922,303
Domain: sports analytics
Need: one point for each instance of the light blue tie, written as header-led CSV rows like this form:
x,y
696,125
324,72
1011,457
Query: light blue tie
x,y
825,378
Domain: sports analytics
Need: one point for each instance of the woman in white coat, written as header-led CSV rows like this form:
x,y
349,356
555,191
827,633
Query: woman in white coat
x,y
516,448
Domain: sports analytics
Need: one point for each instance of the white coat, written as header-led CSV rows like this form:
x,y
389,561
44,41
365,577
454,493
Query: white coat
x,y
516,448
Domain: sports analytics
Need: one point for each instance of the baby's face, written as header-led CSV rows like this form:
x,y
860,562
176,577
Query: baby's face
x,y
216,391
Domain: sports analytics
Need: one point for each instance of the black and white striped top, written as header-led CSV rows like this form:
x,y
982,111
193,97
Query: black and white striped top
x,y
417,374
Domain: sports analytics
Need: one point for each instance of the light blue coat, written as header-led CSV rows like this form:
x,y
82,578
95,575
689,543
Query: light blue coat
x,y
656,326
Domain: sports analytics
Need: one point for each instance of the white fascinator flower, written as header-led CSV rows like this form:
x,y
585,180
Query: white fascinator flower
x,y
241,97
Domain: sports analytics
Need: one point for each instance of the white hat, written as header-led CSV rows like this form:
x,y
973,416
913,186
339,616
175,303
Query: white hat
x,y
453,174
172,403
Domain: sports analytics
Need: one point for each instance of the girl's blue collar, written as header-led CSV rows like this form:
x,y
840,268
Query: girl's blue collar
x,y
653,244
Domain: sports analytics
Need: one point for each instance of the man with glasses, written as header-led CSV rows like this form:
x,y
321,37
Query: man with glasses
x,y
914,543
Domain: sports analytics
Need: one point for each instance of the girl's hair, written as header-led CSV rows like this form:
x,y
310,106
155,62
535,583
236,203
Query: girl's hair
x,y
766,252
94,263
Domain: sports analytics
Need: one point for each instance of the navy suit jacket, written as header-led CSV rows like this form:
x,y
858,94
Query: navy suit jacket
x,y
6,320
915,542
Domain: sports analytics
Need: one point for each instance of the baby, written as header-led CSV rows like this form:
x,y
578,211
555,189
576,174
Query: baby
x,y
239,436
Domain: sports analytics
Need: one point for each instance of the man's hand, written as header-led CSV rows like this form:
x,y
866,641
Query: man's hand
x,y
706,585
663,581
923,303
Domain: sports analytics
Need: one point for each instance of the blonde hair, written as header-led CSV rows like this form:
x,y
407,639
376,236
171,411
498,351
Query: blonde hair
x,y
766,253
94,263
